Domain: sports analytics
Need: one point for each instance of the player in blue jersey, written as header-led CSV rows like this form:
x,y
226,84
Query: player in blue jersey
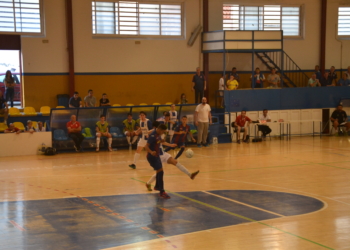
x,y
144,129
180,136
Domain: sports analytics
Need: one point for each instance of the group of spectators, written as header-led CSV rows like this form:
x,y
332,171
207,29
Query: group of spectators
x,y
89,100
29,128
329,78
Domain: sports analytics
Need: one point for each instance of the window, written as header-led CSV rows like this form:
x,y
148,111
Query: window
x,y
20,16
137,19
267,17
344,21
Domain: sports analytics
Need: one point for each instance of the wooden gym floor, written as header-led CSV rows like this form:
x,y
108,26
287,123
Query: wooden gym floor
x,y
272,195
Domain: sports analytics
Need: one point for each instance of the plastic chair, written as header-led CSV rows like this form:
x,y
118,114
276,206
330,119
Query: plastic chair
x,y
86,132
45,110
143,104
156,103
3,126
59,135
129,104
168,103
19,125
29,111
115,132
60,107
14,112
35,124
116,105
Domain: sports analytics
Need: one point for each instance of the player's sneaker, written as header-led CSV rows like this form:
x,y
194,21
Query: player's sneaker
x,y
239,141
148,186
110,149
193,175
133,166
155,189
206,145
164,195
199,145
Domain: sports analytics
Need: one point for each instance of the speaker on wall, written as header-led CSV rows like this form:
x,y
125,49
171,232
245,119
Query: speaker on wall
x,y
194,35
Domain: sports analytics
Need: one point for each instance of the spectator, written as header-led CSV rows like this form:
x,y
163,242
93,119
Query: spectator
x,y
263,127
344,81
339,117
232,83
29,128
325,81
12,129
242,123
129,129
258,79
104,100
90,100
318,73
40,127
202,120
313,81
10,84
74,132
4,109
222,87
183,99
75,101
199,84
333,76
273,79
102,130
235,74
348,72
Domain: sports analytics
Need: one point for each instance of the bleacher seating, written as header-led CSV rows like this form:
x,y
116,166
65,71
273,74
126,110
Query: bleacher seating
x,y
87,133
59,135
129,104
116,105
3,126
143,104
168,103
156,103
14,112
45,110
19,125
60,107
29,111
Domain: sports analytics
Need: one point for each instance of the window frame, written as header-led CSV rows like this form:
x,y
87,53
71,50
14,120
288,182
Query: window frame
x,y
342,37
139,36
31,34
261,18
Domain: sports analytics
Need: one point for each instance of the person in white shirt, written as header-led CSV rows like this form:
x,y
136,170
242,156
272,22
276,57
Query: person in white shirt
x,y
202,118
263,127
40,127
221,91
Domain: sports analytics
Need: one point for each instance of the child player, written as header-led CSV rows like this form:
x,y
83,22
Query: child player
x,y
180,136
129,129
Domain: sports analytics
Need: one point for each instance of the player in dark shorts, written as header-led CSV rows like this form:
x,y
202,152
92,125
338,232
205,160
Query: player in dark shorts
x,y
180,136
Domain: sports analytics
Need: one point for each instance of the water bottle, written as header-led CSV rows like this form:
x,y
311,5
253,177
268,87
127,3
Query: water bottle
x,y
215,140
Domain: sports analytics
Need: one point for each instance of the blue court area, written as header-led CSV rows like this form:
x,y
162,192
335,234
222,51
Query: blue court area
x,y
109,221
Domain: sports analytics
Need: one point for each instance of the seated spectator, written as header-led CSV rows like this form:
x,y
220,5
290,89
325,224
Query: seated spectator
x,y
339,117
232,83
333,76
102,130
75,101
273,79
258,79
130,129
242,124
74,132
318,72
40,127
29,128
263,127
90,100
104,100
12,129
344,81
325,81
235,74
313,81
183,99
4,109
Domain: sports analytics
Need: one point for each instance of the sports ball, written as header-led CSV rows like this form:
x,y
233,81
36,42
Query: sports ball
x,y
189,153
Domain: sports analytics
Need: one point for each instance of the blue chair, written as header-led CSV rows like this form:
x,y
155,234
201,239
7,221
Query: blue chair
x,y
115,132
59,135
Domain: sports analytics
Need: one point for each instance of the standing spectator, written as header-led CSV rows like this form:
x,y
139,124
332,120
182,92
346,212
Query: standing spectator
x,y
183,99
102,130
104,100
273,79
339,117
75,101
74,132
90,100
344,81
263,127
333,76
12,129
199,84
129,129
325,81
40,127
318,72
10,84
242,123
4,109
258,79
29,128
235,74
232,83
202,119
221,91
313,81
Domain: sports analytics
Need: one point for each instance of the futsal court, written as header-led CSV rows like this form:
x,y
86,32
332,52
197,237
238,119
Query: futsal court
x,y
276,194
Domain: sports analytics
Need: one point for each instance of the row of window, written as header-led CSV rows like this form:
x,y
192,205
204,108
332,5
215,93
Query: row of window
x,y
130,18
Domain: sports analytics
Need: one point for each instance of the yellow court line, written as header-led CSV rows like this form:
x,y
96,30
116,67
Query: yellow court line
x,y
244,204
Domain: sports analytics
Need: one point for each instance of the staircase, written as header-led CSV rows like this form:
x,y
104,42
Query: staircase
x,y
292,75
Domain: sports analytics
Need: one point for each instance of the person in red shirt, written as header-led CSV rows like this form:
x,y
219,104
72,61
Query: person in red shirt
x,y
242,124
74,132
12,129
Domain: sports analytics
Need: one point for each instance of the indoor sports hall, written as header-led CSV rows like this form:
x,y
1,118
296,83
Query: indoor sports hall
x,y
284,189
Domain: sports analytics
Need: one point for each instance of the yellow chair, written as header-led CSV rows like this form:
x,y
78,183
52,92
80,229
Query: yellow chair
x,y
29,111
3,126
156,103
14,112
129,104
116,105
19,125
60,107
168,103
143,104
35,124
45,110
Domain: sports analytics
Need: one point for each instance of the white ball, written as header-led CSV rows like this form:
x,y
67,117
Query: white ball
x,y
189,153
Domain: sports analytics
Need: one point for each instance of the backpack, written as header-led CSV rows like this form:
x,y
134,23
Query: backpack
x,y
50,151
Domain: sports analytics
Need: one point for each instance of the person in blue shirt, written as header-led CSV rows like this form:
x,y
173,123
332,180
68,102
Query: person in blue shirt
x,y
344,81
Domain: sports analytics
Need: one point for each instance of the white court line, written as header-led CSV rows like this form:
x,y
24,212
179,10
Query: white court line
x,y
244,204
